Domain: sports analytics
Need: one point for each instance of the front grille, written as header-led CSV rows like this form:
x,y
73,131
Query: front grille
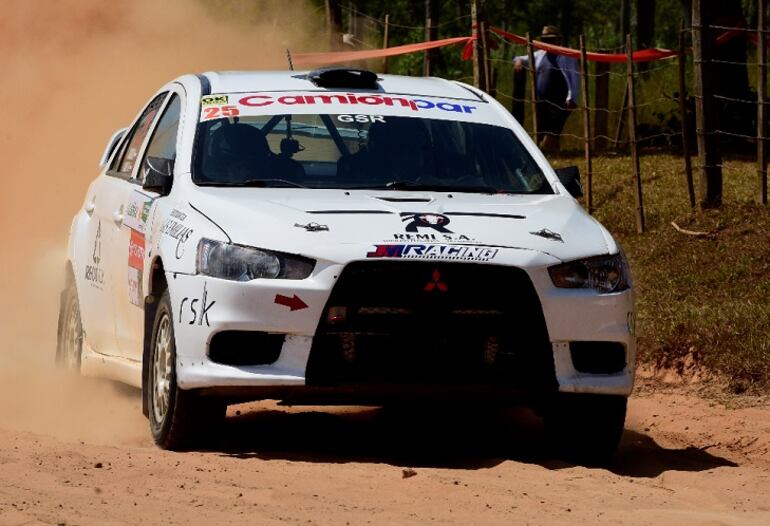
x,y
432,322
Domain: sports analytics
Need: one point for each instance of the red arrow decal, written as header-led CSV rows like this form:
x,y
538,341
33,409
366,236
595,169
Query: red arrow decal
x,y
294,303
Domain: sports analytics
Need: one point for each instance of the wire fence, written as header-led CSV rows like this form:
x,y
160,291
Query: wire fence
x,y
660,97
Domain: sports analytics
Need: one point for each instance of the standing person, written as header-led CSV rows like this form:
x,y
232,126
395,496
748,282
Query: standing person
x,y
557,88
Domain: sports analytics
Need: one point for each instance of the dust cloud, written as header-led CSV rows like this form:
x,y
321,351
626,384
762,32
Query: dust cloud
x,y
73,72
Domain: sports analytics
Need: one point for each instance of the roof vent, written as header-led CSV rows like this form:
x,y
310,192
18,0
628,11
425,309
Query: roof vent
x,y
343,78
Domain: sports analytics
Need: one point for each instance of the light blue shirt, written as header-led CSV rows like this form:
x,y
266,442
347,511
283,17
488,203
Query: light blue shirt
x,y
569,68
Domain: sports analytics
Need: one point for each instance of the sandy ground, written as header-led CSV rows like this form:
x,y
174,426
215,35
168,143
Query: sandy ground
x,y
87,458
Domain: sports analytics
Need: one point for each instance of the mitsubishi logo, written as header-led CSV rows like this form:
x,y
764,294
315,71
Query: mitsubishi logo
x,y
436,284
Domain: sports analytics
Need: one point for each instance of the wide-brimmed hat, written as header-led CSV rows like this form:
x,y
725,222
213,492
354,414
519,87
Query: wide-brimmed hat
x,y
550,32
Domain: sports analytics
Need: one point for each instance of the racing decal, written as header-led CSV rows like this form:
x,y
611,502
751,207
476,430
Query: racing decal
x,y
210,100
196,310
175,229
135,268
294,303
137,211
430,251
94,273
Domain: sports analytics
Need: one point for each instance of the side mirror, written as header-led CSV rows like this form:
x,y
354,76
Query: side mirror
x,y
570,178
158,176
111,145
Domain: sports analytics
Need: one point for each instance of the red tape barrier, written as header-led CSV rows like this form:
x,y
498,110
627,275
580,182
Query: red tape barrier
x,y
302,59
642,55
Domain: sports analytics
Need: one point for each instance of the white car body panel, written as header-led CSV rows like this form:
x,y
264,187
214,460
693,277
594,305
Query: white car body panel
x,y
114,289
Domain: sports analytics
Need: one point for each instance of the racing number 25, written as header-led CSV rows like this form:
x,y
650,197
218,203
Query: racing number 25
x,y
214,112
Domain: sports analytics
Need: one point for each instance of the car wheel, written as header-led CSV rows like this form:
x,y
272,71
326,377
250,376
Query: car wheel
x,y
69,347
585,428
179,419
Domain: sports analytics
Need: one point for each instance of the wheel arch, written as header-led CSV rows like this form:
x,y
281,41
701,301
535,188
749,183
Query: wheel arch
x,y
157,284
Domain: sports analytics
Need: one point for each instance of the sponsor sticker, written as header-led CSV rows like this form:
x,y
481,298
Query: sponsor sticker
x,y
431,251
137,211
213,100
135,267
136,250
135,295
94,272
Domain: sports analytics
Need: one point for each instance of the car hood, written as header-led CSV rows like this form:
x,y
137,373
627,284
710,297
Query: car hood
x,y
311,222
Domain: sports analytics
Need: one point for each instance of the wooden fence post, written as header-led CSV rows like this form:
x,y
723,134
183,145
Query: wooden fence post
x,y
479,51
706,117
621,119
586,124
683,117
519,94
483,27
761,101
385,42
632,139
431,32
602,104
533,88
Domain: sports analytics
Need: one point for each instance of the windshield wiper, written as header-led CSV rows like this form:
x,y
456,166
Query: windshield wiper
x,y
408,185
259,183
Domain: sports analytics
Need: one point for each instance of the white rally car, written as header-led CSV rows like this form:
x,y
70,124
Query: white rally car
x,y
339,237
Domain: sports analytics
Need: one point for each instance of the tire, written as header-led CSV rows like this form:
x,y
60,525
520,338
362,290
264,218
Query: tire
x,y
69,341
585,428
179,419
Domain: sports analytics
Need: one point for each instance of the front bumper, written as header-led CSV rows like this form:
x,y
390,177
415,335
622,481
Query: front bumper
x,y
570,316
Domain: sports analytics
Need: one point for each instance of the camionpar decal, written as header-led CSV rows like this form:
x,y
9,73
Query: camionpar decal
x,y
216,106
438,251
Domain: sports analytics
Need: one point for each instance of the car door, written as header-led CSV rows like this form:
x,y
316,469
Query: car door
x,y
138,211
92,273
119,183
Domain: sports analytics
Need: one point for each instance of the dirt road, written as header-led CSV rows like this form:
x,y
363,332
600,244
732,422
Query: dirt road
x,y
84,457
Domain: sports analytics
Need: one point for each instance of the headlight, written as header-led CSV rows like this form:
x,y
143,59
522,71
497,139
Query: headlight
x,y
239,263
603,273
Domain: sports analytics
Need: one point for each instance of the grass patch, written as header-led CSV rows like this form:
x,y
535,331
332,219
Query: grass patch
x,y
705,299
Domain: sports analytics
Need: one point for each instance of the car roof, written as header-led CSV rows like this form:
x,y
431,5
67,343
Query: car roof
x,y
249,81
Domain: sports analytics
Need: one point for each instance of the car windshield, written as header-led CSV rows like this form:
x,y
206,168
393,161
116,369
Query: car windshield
x,y
360,151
